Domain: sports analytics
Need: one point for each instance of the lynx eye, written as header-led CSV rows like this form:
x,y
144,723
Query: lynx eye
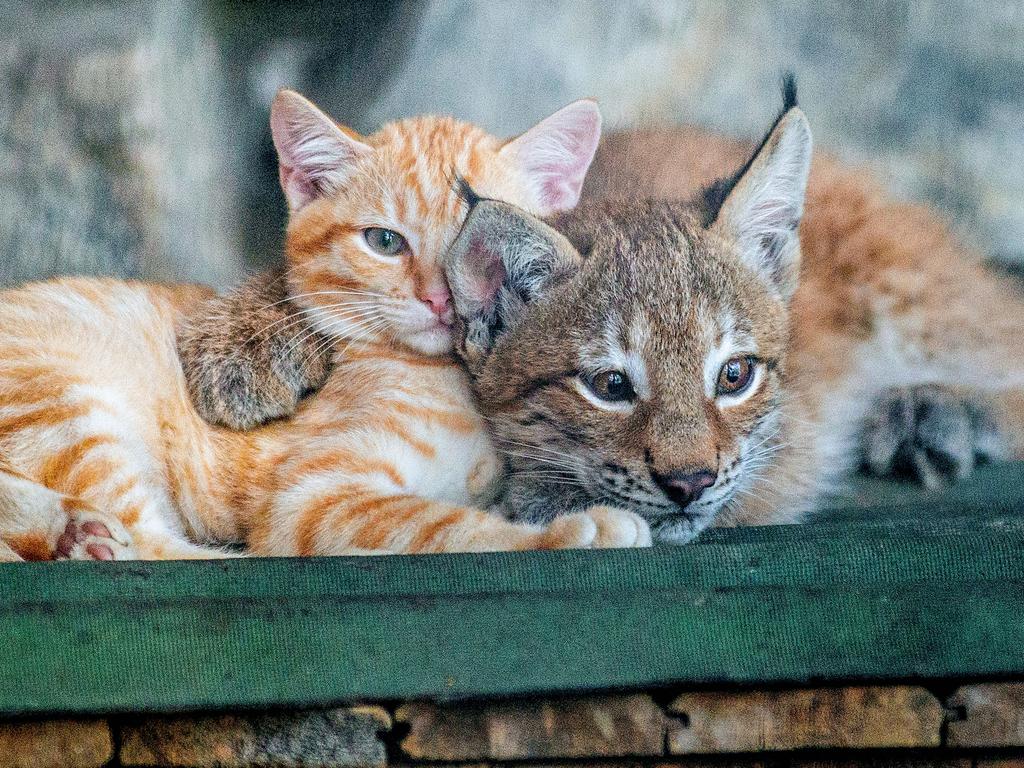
x,y
386,242
735,375
612,386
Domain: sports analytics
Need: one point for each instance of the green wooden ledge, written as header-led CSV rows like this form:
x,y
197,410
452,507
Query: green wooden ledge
x,y
890,585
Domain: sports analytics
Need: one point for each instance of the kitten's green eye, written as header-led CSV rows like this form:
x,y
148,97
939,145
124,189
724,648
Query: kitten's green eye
x,y
386,242
613,386
736,375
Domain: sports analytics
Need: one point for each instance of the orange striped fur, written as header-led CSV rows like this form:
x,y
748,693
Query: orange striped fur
x,y
103,455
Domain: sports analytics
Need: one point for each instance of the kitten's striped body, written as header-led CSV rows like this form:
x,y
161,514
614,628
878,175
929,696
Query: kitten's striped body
x,y
102,453
90,405
99,413
390,455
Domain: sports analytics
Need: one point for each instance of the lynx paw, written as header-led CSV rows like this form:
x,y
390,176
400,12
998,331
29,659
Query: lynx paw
x,y
597,528
928,433
90,535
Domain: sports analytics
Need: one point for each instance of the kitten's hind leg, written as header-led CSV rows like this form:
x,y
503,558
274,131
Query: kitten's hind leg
x,y
936,434
38,523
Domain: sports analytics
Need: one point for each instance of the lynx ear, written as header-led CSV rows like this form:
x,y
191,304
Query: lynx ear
x,y
764,207
315,155
555,154
503,259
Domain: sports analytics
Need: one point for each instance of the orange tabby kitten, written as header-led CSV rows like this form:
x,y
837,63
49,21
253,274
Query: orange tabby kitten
x,y
102,454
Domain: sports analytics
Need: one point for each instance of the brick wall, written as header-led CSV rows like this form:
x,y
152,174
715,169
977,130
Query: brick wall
x,y
979,725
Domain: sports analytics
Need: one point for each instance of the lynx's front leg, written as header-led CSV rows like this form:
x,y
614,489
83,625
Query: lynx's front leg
x,y
937,434
356,518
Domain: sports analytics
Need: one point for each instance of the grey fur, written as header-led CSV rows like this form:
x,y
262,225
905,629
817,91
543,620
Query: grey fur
x,y
249,356
930,433
491,294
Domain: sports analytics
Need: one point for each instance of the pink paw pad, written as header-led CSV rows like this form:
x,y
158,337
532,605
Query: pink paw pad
x,y
85,541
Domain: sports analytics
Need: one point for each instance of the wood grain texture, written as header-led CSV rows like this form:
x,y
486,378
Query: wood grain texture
x,y
56,744
854,717
334,738
988,715
595,726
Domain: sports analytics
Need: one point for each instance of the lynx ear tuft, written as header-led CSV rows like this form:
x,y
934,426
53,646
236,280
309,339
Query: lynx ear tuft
x,y
315,155
503,259
555,154
763,207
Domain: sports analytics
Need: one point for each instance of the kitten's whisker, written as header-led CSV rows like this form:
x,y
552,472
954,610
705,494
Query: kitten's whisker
x,y
336,319
544,458
367,331
325,293
327,341
770,436
294,321
562,476
547,462
531,454
553,480
292,317
545,471
320,348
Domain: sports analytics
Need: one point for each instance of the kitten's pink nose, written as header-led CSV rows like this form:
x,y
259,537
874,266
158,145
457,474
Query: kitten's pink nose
x,y
440,302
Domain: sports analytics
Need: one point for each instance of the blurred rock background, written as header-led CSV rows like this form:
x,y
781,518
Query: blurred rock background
x,y
133,136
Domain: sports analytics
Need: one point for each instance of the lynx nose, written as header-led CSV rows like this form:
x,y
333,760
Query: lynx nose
x,y
685,487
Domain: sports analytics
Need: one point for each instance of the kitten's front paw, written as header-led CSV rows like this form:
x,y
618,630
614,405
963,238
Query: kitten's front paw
x,y
928,433
597,528
91,535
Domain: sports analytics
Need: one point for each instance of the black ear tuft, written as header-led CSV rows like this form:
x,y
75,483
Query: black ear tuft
x,y
763,205
465,191
788,92
713,196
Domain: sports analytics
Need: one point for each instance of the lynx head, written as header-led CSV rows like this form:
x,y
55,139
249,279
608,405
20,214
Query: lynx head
x,y
371,216
634,353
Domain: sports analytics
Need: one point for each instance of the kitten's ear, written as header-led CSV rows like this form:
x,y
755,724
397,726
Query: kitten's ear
x,y
503,259
764,207
555,154
315,155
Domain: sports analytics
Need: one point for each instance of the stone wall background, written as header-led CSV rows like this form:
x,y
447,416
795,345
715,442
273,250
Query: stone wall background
x,y
133,134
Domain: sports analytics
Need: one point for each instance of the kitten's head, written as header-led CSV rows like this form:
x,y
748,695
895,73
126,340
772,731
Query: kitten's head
x,y
370,217
634,353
